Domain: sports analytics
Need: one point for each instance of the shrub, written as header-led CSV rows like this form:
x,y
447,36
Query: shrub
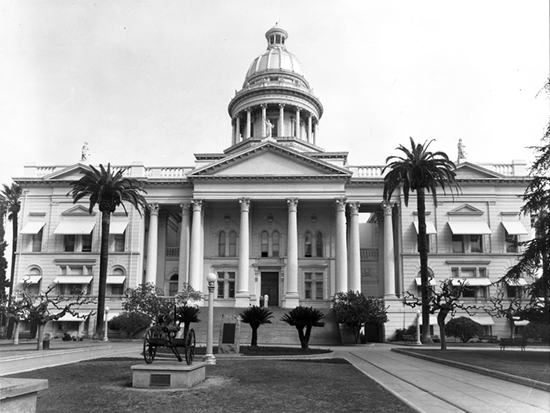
x,y
130,323
304,318
400,333
256,316
537,331
463,328
187,314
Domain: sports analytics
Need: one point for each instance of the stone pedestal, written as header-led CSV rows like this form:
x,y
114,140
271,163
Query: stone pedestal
x,y
167,375
19,395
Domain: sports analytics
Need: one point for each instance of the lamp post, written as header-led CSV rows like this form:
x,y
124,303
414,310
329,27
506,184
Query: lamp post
x,y
106,325
418,342
209,358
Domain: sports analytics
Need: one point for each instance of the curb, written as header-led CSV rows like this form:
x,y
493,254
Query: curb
x,y
493,373
51,352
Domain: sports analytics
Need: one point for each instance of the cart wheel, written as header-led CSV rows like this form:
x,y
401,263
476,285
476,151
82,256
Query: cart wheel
x,y
190,346
149,350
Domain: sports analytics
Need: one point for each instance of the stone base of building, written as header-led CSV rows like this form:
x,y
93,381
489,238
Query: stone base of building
x,y
167,375
19,395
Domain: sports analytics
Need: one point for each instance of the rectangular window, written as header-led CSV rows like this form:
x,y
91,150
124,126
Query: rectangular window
x,y
37,242
120,241
87,243
475,243
513,291
313,285
458,243
117,289
70,243
226,284
511,243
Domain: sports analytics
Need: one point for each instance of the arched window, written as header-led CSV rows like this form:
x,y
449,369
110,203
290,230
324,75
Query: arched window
x,y
275,244
265,244
307,244
232,244
221,244
319,244
173,285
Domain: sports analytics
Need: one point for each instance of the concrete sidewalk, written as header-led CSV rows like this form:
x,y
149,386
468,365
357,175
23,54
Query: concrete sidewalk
x,y
433,388
426,386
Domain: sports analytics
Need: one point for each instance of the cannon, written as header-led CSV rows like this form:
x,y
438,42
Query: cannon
x,y
163,334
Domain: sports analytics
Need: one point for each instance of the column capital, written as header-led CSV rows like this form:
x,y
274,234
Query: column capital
x,y
354,207
282,105
298,110
185,208
154,209
340,204
387,207
292,204
245,204
263,105
197,204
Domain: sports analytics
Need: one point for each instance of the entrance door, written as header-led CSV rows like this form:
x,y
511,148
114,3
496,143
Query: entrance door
x,y
270,286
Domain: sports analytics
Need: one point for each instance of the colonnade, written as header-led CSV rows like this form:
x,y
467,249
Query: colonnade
x,y
347,261
241,132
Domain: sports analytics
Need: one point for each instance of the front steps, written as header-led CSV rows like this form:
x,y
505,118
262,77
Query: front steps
x,y
276,333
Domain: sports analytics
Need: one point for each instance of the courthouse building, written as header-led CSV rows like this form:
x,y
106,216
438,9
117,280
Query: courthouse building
x,y
274,215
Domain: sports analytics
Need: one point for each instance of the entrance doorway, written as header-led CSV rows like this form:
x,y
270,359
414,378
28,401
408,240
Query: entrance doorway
x,y
270,286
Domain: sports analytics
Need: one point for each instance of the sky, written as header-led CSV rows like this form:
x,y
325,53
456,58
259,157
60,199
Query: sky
x,y
151,80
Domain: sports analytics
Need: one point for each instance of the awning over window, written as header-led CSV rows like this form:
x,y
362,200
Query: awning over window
x,y
419,281
472,282
118,227
521,322
470,228
31,279
430,227
514,228
110,316
516,282
75,228
116,279
73,279
484,320
32,228
80,318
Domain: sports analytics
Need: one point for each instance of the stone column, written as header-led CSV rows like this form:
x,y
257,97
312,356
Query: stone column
x,y
195,260
183,268
298,123
242,297
309,137
389,258
292,298
354,273
315,129
341,247
152,244
237,128
281,119
248,122
264,118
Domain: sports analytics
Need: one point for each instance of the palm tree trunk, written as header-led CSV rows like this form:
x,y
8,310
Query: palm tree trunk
x,y
103,261
423,251
254,342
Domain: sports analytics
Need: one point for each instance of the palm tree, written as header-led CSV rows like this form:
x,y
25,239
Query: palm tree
x,y
107,189
256,316
422,171
11,200
304,317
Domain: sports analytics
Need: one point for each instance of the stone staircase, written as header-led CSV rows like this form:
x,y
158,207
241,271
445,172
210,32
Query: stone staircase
x,y
278,332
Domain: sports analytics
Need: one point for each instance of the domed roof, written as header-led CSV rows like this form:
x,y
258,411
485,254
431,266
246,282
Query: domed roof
x,y
276,57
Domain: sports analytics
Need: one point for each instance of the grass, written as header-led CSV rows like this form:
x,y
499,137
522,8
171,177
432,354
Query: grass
x,y
533,365
248,385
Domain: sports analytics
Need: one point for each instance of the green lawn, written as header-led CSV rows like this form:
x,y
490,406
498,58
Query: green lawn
x,y
530,364
247,385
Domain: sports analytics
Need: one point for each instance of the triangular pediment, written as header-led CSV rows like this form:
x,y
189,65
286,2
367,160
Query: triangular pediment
x,y
466,209
469,170
269,160
70,173
77,211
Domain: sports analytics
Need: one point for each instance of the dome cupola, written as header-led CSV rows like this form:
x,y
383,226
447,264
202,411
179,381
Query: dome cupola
x,y
276,101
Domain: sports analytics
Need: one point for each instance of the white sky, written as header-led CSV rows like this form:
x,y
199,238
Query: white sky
x,y
151,80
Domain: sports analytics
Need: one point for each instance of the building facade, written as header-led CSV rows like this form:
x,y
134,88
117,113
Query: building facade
x,y
278,219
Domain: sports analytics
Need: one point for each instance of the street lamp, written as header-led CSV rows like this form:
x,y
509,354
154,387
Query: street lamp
x,y
418,342
209,358
106,325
